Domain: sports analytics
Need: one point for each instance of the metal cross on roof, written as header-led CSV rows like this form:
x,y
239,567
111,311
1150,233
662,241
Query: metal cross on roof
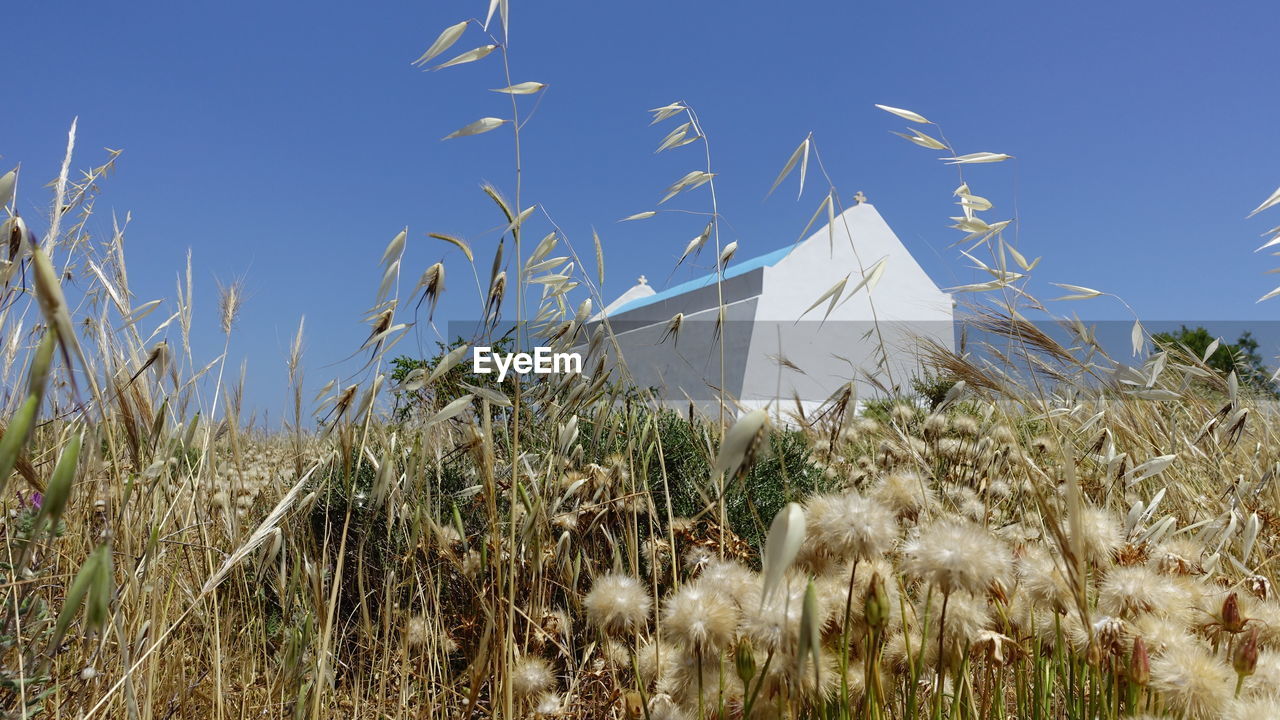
x,y
860,198
643,280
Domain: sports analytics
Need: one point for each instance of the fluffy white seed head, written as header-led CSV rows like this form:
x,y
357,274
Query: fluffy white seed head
x,y
956,555
701,619
1099,535
618,604
1131,591
905,493
530,676
1192,682
849,526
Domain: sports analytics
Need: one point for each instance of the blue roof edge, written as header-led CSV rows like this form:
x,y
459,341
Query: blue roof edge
x,y
746,266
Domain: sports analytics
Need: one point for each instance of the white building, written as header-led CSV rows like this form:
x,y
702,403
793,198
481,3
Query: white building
x,y
777,349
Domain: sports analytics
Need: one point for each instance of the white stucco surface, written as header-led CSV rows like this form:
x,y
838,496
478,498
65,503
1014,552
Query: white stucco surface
x,y
766,299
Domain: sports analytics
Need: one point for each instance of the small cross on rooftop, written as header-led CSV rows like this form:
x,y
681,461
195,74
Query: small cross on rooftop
x,y
643,280
860,198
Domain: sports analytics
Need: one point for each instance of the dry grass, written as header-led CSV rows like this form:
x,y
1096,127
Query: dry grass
x,y
1060,537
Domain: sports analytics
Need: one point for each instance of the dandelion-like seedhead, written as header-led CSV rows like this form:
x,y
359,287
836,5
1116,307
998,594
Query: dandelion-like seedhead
x,y
935,424
967,617
1099,534
792,676
663,707
653,661
1131,591
417,631
848,526
775,623
618,604
1043,579
1192,682
903,414
1161,633
905,493
732,579
966,426
1253,708
1264,682
549,705
1003,436
531,676
953,554
693,673
700,618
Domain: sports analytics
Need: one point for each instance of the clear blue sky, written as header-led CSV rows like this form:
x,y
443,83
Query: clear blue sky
x,y
288,142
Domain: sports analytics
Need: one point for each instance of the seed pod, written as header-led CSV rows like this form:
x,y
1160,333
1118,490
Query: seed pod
x,y
1251,527
744,659
739,446
98,604
786,535
1139,672
876,604
1232,620
8,182
59,489
40,365
87,582
15,437
568,435
633,705
382,482
53,304
1244,659
810,631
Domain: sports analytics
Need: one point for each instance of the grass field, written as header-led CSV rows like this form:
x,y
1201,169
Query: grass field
x,y
1030,533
